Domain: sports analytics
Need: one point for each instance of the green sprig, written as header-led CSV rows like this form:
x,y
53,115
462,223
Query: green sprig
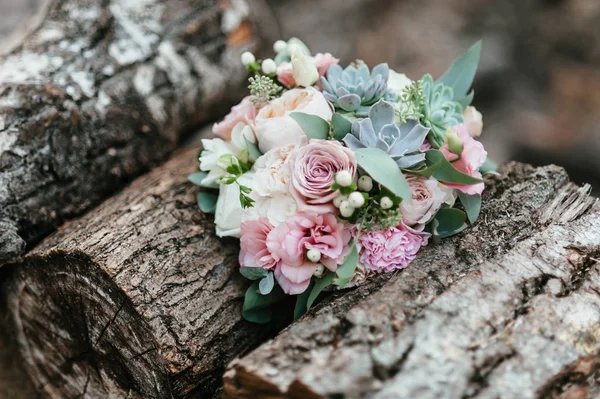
x,y
263,89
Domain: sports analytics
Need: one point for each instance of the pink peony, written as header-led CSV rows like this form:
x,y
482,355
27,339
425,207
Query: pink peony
x,y
392,249
289,242
472,157
427,197
253,244
243,112
314,167
322,62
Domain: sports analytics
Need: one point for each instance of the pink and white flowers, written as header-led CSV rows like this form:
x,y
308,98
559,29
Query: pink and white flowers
x,y
330,175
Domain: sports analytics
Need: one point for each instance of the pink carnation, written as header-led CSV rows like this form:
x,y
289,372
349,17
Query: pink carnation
x,y
243,112
322,62
289,242
253,244
314,167
472,157
392,249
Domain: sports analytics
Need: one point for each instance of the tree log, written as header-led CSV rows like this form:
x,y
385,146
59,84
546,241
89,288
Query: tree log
x,y
101,91
510,308
138,297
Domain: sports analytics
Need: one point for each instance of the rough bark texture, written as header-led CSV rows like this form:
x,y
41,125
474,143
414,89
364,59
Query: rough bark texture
x,y
508,309
138,297
99,92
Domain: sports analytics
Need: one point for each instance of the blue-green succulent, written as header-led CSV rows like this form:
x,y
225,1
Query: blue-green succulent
x,y
401,142
355,89
440,110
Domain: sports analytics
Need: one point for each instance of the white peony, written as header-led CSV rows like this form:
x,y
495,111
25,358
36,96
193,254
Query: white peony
x,y
213,149
276,209
273,172
229,211
274,127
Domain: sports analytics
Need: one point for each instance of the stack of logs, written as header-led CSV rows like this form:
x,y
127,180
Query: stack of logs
x,y
139,298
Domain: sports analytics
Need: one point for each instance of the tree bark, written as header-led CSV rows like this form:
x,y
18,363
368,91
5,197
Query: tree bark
x,y
101,91
138,297
510,308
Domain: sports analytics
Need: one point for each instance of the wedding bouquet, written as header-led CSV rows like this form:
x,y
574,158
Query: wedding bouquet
x,y
328,175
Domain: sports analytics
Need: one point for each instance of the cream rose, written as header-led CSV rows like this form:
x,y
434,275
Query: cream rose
x,y
427,197
273,172
276,209
274,127
229,211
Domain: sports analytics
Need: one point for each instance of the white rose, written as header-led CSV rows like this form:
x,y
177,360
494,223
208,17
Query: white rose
x,y
276,209
229,211
273,172
397,82
213,149
473,121
274,127
427,197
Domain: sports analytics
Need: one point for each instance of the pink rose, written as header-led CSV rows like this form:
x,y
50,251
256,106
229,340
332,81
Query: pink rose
x,y
392,249
472,157
289,242
314,167
473,121
322,62
243,112
427,197
253,244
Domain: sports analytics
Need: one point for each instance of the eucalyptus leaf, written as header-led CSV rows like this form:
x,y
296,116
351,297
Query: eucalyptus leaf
x,y
383,169
466,100
256,307
314,126
450,221
207,201
489,167
341,126
197,177
253,273
318,287
253,150
266,284
444,171
446,234
346,270
472,205
462,71
301,303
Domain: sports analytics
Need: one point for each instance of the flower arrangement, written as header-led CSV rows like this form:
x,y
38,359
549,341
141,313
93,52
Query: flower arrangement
x,y
328,175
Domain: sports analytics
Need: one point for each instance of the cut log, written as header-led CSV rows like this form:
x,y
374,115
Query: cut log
x,y
137,298
510,308
101,91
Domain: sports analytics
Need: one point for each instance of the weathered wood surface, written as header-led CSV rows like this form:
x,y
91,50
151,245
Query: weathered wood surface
x,y
138,298
508,309
101,91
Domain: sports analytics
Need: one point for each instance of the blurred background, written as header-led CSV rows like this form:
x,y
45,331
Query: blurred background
x,y
538,85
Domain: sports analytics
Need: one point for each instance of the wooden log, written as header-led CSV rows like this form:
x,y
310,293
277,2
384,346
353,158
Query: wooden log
x,y
510,308
98,93
138,297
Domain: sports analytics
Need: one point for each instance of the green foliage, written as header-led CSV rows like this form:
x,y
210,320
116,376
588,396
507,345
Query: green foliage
x,y
302,302
319,285
411,102
266,284
449,221
257,307
489,167
207,201
383,169
341,126
253,273
440,168
315,127
472,205
461,73
253,150
263,89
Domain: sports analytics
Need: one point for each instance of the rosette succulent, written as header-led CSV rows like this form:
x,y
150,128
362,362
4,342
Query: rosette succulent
x,y
440,110
355,89
401,142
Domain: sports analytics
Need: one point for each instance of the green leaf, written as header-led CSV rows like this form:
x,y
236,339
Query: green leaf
x,y
253,150
346,270
444,171
446,234
320,285
466,100
253,273
256,307
197,177
489,167
472,204
265,286
462,71
315,127
382,168
450,221
207,201
301,303
341,126
301,45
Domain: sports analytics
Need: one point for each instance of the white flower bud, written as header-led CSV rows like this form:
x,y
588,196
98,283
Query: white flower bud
x,y
343,178
313,255
304,71
356,199
386,203
365,183
318,273
248,58
269,66
337,201
346,210
280,46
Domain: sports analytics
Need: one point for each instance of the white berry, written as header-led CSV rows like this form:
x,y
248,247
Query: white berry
x,y
313,255
337,201
269,66
365,183
279,46
356,199
346,210
248,58
386,203
343,178
319,270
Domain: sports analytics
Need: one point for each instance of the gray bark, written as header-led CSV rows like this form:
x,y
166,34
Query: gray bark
x,y
510,308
